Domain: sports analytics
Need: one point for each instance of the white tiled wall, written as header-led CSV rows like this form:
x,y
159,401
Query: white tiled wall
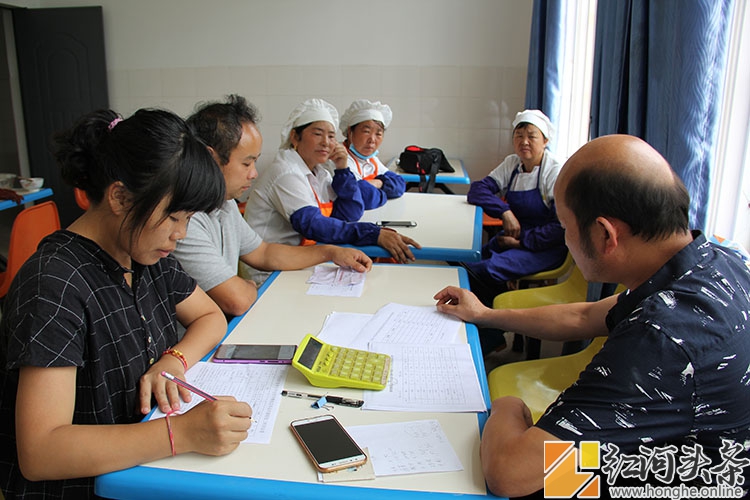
x,y
466,111
454,71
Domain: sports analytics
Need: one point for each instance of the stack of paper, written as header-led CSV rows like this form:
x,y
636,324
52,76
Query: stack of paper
x,y
430,371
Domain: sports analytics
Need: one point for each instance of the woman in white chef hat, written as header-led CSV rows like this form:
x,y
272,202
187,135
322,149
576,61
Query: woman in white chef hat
x,y
520,192
296,200
363,125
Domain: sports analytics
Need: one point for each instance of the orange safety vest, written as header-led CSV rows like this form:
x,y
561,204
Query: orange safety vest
x,y
325,208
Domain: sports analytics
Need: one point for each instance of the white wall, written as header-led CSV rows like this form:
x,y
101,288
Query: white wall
x,y
454,71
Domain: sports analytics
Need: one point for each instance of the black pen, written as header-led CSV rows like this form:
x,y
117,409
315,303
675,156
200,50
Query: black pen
x,y
337,400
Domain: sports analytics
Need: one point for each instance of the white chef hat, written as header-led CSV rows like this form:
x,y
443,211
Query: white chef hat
x,y
362,110
312,110
537,118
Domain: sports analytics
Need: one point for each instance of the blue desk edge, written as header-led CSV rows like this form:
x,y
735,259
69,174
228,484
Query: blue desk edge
x,y
27,198
150,482
472,254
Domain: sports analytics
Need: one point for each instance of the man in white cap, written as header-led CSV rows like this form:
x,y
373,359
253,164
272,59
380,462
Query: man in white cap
x,y
296,200
215,242
520,192
364,124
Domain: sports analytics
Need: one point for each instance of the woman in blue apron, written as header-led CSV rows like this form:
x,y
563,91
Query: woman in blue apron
x,y
520,192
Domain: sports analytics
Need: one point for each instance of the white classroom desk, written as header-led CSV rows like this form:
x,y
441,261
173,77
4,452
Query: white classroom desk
x,y
442,179
448,228
284,314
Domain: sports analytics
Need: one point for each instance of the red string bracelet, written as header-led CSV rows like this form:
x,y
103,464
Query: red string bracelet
x,y
169,430
177,354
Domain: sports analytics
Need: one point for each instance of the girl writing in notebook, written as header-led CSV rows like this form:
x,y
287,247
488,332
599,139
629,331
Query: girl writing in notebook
x,y
89,322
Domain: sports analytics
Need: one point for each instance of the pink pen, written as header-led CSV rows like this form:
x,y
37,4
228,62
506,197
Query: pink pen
x,y
188,386
192,388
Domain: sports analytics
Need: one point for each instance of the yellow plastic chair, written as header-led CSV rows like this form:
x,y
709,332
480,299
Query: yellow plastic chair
x,y
549,275
538,382
558,293
572,289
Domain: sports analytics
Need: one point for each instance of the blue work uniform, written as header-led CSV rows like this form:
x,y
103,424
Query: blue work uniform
x,y
542,237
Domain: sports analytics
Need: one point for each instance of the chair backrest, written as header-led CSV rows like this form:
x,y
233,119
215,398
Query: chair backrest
x,y
81,199
573,289
551,274
538,382
30,226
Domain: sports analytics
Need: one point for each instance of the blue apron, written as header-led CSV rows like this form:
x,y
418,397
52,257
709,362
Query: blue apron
x,y
498,266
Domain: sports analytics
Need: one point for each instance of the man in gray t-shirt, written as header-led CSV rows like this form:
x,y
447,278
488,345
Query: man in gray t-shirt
x,y
216,243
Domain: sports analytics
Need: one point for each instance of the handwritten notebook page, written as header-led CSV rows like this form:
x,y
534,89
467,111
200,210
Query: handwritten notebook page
x,y
256,384
407,447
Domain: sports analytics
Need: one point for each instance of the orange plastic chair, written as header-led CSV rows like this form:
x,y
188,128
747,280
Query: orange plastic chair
x,y
30,226
491,225
491,221
81,199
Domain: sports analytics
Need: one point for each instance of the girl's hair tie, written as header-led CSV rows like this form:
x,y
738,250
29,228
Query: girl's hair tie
x,y
113,123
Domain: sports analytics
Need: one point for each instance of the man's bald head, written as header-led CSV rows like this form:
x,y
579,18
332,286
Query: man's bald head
x,y
623,177
629,155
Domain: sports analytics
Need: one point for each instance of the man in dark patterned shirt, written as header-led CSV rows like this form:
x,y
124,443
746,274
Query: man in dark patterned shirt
x,y
672,377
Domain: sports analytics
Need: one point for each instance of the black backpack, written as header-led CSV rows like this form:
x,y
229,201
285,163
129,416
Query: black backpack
x,y
425,162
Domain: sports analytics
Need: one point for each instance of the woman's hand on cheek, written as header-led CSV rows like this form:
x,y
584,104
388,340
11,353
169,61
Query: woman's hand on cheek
x,y
339,156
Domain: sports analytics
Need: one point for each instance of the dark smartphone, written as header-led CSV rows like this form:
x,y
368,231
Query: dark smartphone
x,y
327,443
254,353
396,223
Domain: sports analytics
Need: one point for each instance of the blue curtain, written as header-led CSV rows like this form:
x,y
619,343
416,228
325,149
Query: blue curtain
x,y
545,60
658,74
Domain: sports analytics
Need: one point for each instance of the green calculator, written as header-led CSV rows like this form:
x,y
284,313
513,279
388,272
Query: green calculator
x,y
326,365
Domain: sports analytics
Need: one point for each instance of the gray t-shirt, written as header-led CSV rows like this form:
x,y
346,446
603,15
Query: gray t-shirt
x,y
211,249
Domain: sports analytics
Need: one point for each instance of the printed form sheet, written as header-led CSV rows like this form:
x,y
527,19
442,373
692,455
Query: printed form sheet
x,y
431,378
399,324
258,385
429,370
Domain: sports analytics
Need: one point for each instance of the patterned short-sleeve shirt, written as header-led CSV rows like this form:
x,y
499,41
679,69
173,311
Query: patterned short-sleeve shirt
x,y
71,306
675,368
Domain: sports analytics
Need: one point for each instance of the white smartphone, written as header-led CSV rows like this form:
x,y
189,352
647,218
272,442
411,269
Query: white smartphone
x,y
327,443
396,223
255,353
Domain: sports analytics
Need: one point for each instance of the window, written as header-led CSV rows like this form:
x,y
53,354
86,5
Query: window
x,y
728,210
575,85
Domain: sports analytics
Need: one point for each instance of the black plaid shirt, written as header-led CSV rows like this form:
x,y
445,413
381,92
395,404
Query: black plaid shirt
x,y
71,306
